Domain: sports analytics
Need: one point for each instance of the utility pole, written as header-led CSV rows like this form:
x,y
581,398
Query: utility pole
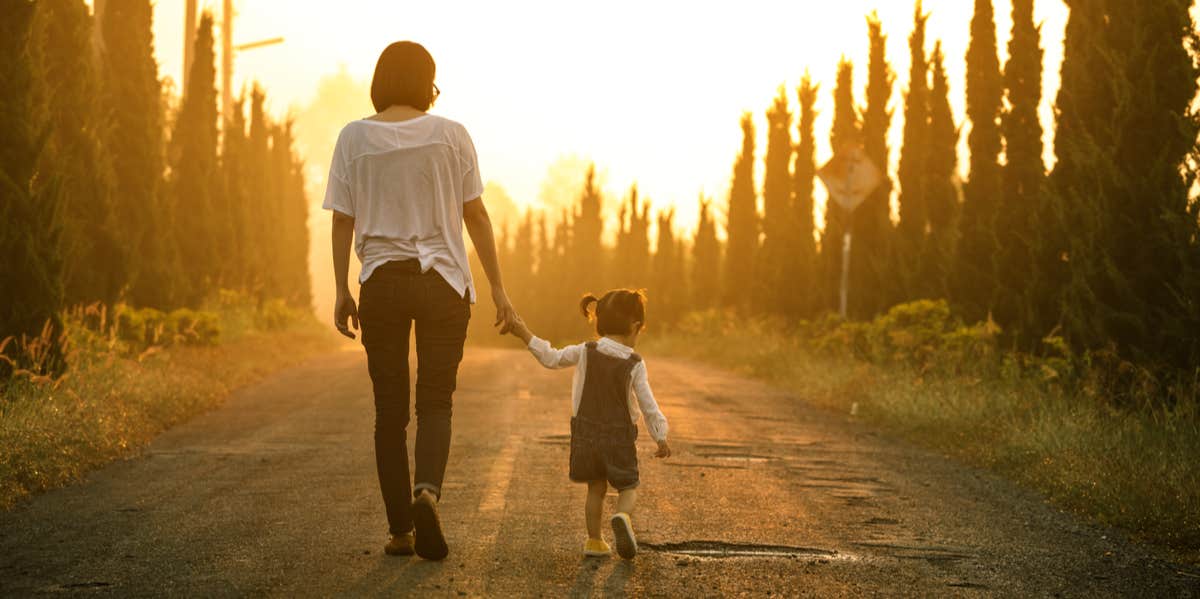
x,y
227,60
228,50
189,42
98,28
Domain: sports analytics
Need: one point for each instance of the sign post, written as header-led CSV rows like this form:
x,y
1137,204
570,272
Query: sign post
x,y
850,177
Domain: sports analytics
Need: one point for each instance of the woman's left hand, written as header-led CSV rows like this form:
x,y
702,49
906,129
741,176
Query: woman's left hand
x,y
506,315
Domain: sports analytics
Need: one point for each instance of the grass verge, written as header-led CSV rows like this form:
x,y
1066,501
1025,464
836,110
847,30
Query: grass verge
x,y
1135,469
118,394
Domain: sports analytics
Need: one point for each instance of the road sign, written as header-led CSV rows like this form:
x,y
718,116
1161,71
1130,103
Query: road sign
x,y
850,177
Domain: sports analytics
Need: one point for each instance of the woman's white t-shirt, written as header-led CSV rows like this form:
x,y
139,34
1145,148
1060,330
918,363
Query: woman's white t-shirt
x,y
405,184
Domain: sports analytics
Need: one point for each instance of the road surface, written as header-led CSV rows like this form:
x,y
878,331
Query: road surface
x,y
275,494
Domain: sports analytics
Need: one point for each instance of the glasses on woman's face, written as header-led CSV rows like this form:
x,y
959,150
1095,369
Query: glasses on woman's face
x,y
436,92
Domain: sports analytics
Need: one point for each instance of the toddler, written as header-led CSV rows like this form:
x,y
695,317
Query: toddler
x,y
610,387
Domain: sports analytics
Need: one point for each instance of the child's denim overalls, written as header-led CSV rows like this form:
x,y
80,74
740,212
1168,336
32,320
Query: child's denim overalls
x,y
603,438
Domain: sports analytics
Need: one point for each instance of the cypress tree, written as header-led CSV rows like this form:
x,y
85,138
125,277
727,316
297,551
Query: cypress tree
x,y
978,247
294,283
742,225
667,286
871,269
194,172
706,260
521,266
1017,219
29,201
135,145
1130,230
941,199
778,226
67,87
846,132
259,190
633,243
586,251
804,172
914,162
231,203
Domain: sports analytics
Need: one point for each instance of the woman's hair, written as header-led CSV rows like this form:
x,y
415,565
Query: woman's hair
x,y
403,76
616,312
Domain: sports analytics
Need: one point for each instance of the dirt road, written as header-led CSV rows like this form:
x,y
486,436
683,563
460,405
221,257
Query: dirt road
x,y
275,494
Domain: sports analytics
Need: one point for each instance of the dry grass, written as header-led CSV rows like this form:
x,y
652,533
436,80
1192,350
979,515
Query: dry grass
x,y
1136,470
113,401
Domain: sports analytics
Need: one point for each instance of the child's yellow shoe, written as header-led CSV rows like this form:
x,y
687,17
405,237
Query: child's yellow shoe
x,y
623,534
400,545
596,548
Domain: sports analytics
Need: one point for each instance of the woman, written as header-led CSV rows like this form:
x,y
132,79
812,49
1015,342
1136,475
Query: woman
x,y
401,185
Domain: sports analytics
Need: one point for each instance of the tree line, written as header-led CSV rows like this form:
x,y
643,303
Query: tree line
x,y
113,190
1103,250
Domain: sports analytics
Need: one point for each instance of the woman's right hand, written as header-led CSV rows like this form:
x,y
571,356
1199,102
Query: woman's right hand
x,y
345,309
506,315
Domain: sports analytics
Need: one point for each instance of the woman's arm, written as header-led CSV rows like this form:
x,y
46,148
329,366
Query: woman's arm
x,y
479,227
344,308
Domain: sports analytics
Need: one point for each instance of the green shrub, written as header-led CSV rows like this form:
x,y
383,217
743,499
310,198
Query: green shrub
x,y
275,314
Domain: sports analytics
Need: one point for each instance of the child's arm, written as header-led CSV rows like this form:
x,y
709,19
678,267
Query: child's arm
x,y
541,349
656,423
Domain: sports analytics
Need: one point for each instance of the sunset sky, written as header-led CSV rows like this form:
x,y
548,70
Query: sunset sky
x,y
651,92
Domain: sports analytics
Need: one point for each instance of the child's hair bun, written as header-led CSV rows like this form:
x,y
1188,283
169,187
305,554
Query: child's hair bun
x,y
585,304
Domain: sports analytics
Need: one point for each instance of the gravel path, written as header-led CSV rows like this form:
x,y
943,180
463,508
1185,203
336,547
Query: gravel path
x,y
275,494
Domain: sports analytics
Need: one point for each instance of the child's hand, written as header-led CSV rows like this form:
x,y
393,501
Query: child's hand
x,y
520,329
664,450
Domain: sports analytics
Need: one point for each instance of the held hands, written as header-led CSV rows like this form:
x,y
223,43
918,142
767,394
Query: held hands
x,y
664,450
521,330
506,315
345,309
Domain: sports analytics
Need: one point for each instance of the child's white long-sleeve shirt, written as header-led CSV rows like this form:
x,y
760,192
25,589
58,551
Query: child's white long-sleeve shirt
x,y
640,396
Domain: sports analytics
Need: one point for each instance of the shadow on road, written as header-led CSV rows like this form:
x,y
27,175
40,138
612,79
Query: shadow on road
x,y
615,584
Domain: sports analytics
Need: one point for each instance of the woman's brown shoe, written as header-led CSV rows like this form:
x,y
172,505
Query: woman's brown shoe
x,y
400,545
430,543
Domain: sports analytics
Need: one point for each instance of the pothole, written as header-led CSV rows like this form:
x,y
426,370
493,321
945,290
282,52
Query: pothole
x,y
719,447
737,457
712,466
723,550
85,585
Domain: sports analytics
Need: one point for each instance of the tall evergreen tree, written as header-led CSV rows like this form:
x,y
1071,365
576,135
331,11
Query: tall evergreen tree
x,y
706,260
259,190
586,250
941,195
1017,307
291,210
1129,228
871,270
520,268
67,87
914,164
778,226
235,229
978,246
742,226
633,243
134,97
668,285
846,132
804,173
194,174
29,203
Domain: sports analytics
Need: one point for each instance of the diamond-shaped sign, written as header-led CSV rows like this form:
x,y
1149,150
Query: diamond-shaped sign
x,y
850,177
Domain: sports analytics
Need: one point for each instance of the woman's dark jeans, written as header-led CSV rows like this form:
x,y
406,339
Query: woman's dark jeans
x,y
397,295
